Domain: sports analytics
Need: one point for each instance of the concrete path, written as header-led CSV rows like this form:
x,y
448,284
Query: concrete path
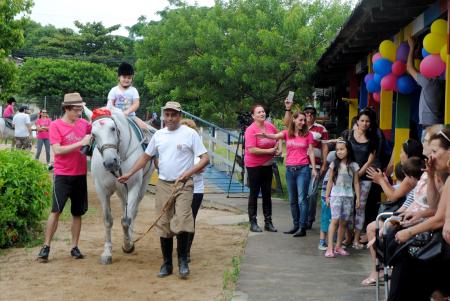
x,y
277,266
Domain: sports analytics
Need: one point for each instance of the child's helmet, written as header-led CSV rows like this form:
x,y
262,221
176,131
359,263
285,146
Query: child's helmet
x,y
125,69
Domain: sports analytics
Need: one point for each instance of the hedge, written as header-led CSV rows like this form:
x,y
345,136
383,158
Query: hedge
x,y
25,195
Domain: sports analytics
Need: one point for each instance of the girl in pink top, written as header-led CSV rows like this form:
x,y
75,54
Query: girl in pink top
x,y
9,110
299,153
258,159
42,126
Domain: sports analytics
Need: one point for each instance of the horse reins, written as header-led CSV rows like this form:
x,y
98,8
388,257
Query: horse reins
x,y
167,206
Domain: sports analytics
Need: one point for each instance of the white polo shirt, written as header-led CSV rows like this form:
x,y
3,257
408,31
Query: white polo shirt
x,y
21,122
176,149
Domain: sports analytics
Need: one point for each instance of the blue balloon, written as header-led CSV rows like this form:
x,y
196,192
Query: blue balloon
x,y
424,53
372,86
382,66
377,78
406,84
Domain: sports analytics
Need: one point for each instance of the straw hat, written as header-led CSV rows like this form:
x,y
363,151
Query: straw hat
x,y
73,99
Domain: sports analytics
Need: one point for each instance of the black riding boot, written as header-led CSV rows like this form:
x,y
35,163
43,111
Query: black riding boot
x,y
254,225
182,249
267,211
166,248
191,239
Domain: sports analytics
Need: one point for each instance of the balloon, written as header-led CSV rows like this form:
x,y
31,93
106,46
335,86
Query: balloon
x,y
398,68
424,53
433,42
402,52
368,77
377,78
376,57
432,66
439,26
389,82
444,53
406,84
382,66
376,96
372,86
388,50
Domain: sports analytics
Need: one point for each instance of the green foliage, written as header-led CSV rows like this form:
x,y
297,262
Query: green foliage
x,y
25,193
94,42
11,33
225,58
40,77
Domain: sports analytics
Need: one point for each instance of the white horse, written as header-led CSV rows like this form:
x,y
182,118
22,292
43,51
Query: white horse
x,y
117,149
7,132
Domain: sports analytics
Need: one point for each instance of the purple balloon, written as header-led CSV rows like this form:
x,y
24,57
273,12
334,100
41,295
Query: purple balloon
x,y
402,52
368,77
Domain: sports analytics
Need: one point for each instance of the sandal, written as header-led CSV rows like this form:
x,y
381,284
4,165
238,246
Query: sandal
x,y
369,281
329,254
358,246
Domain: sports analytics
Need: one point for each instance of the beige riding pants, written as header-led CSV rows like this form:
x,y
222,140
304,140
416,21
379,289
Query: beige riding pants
x,y
178,218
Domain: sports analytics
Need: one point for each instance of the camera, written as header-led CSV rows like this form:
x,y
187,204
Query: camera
x,y
245,119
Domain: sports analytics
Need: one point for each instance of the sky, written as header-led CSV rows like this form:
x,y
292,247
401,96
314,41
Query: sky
x,y
62,13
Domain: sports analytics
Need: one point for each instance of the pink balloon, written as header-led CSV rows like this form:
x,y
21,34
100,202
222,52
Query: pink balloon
x,y
432,66
389,82
376,96
398,68
376,57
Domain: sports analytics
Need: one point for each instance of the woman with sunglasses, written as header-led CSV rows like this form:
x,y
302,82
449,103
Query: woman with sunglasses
x,y
42,126
407,283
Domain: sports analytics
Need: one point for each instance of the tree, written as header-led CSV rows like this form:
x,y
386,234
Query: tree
x,y
94,42
42,77
224,58
11,33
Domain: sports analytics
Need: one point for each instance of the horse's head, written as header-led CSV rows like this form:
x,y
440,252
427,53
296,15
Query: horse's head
x,y
107,137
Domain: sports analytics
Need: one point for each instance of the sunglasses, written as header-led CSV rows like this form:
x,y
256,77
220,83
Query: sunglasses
x,y
443,135
77,109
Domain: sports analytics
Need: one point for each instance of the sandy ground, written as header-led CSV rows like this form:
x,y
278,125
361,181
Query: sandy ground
x,y
130,276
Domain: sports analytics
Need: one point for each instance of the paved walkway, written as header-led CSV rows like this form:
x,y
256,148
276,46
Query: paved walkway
x,y
277,266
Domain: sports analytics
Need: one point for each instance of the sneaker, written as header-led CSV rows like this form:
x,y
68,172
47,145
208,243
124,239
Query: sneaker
x,y
43,254
341,251
50,167
75,252
322,246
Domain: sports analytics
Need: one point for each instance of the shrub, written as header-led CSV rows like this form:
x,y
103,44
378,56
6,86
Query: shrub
x,y
25,192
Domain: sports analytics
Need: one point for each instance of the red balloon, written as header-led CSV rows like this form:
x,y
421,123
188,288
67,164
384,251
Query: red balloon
x,y
376,57
376,96
432,66
398,68
389,82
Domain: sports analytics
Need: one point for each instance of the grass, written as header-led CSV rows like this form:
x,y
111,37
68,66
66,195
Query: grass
x,y
230,278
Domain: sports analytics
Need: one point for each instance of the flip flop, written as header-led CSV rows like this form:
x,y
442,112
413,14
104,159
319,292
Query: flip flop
x,y
369,281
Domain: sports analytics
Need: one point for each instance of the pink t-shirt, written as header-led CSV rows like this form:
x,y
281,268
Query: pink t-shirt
x,y
62,133
297,149
43,122
252,160
9,111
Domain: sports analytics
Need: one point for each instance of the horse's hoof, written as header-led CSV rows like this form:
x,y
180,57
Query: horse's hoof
x,y
106,260
128,251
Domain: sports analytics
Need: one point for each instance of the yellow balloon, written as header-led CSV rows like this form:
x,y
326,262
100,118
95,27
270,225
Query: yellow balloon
x,y
388,50
439,26
433,43
444,53
417,64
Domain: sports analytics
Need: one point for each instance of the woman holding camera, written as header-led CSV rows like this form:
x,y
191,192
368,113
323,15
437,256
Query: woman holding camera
x,y
258,160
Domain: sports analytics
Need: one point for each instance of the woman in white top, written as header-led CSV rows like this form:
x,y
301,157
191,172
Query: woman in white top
x,y
199,188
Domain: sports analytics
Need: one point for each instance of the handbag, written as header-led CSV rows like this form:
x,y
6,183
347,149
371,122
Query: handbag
x,y
426,246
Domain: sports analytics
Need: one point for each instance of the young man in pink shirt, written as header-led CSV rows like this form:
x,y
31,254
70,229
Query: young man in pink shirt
x,y
67,135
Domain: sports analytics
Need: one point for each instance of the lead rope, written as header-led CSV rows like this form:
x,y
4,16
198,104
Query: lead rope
x,y
169,203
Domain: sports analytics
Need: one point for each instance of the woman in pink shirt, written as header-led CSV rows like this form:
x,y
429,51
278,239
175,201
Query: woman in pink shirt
x,y
258,160
42,125
9,110
299,154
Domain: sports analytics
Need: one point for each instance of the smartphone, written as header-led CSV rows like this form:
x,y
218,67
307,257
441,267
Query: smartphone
x,y
290,97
